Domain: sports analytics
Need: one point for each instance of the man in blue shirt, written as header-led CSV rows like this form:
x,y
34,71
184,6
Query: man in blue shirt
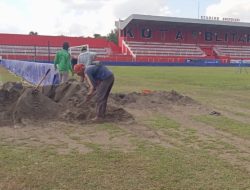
x,y
100,80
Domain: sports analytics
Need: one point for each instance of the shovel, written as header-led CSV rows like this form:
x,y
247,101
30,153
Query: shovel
x,y
40,82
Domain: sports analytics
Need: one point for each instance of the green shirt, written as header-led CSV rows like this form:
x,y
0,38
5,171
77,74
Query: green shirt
x,y
62,61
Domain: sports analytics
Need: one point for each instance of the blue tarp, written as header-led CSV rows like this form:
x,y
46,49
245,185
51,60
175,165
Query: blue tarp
x,y
32,71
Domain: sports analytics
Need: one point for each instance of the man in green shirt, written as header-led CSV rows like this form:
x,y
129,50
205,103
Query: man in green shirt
x,y
62,63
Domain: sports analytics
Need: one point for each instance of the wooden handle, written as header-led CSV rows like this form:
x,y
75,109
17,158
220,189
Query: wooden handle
x,y
42,79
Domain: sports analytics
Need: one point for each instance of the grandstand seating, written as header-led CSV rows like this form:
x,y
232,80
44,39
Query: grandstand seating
x,y
232,51
37,52
164,49
44,48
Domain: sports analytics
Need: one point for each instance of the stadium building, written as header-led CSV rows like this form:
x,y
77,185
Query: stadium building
x,y
145,38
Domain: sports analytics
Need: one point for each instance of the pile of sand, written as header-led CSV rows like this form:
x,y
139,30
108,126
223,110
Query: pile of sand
x,y
66,102
34,107
9,94
72,98
152,99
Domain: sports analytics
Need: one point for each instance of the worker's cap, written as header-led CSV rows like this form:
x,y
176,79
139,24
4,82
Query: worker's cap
x,y
78,68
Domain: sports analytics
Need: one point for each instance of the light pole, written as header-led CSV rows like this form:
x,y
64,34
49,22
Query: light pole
x,y
198,8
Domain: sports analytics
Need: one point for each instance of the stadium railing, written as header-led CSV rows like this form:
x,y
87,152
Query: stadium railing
x,y
41,53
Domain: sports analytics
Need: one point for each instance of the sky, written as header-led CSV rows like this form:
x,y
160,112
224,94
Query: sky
x,y
89,17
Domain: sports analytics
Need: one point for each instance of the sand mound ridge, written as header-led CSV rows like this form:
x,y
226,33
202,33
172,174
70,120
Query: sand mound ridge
x,y
66,102
151,99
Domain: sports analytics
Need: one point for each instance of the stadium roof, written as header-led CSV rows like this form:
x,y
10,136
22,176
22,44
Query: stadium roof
x,y
123,23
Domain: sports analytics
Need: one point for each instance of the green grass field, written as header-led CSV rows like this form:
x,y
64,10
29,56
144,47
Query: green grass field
x,y
5,76
206,152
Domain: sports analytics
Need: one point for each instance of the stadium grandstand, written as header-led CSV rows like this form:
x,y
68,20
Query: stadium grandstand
x,y
170,39
145,38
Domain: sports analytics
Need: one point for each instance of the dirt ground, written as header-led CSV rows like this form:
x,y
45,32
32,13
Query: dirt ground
x,y
59,116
